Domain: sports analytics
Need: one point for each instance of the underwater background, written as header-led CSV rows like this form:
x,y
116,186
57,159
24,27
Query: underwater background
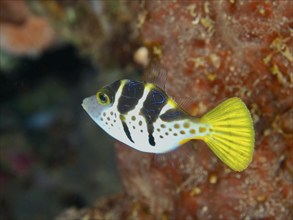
x,y
55,162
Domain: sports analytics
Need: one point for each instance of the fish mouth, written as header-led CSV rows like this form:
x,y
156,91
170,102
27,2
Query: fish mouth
x,y
84,104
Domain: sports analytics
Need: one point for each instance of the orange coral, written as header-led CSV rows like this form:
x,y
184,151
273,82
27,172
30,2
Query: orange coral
x,y
22,33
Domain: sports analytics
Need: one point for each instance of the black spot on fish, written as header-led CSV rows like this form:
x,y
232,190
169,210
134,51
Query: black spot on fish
x,y
152,106
131,94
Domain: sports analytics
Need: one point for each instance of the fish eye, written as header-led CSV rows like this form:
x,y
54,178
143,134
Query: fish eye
x,y
103,98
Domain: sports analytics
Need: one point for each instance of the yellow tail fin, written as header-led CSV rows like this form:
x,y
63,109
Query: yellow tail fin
x,y
231,135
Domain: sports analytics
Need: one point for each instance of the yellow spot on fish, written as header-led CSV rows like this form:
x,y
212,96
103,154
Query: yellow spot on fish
x,y
182,132
176,126
186,125
202,129
163,126
192,131
133,118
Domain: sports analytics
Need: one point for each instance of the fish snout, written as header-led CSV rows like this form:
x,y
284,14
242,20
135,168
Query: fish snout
x,y
85,103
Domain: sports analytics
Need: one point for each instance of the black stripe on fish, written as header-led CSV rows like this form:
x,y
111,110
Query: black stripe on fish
x,y
112,90
125,128
173,114
131,94
152,106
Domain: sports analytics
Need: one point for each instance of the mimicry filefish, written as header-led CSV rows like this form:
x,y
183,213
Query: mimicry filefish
x,y
143,116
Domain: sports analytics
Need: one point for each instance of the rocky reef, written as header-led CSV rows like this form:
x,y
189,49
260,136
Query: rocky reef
x,y
213,50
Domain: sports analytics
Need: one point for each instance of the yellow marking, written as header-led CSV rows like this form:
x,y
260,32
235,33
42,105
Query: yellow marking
x,y
176,126
186,125
192,131
182,132
163,126
172,103
122,117
183,141
149,86
133,118
202,129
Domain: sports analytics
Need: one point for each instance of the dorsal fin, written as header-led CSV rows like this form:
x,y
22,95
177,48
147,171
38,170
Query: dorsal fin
x,y
157,76
185,103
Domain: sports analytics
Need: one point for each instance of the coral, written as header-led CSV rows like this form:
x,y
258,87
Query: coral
x,y
213,50
21,32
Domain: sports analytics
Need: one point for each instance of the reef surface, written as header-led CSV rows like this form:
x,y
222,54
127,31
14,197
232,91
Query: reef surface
x,y
213,50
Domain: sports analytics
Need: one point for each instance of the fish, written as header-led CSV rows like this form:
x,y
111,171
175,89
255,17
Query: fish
x,y
141,115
